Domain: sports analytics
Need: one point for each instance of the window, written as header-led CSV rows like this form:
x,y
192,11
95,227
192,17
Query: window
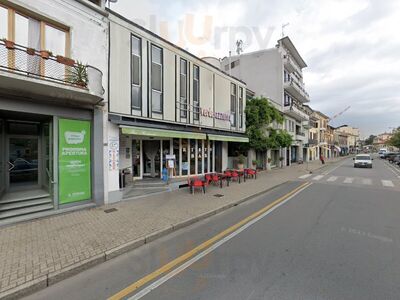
x,y
196,92
136,77
183,88
55,40
288,100
240,107
3,22
156,79
233,104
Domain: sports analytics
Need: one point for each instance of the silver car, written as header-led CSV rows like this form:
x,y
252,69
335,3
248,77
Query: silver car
x,y
363,161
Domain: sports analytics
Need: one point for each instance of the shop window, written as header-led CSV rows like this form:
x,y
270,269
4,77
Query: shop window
x,y
196,93
199,157
192,157
206,145
136,62
211,158
177,156
233,104
156,79
185,157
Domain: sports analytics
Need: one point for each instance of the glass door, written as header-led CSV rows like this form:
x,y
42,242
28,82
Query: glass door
x,y
136,159
23,162
47,155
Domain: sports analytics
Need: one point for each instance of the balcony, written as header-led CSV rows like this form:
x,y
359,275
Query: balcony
x,y
295,112
40,75
296,88
301,136
290,64
313,142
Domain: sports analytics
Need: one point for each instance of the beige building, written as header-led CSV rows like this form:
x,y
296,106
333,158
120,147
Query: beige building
x,y
353,137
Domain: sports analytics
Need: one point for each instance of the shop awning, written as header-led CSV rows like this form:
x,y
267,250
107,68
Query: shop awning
x,y
227,138
132,130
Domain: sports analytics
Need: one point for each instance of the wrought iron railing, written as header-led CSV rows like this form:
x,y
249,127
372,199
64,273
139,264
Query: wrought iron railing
x,y
44,65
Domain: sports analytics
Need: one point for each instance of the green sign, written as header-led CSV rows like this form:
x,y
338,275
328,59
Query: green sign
x,y
74,161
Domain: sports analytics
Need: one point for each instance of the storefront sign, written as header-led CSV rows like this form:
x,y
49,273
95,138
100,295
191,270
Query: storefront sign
x,y
113,153
215,115
74,161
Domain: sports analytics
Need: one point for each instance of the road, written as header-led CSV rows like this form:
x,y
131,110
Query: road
x,y
334,234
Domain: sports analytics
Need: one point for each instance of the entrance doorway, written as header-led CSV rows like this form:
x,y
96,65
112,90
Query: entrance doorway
x,y
26,162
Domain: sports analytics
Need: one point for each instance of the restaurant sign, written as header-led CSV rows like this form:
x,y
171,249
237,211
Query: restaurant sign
x,y
215,115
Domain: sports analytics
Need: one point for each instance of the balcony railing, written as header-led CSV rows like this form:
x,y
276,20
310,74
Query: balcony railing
x,y
43,65
294,84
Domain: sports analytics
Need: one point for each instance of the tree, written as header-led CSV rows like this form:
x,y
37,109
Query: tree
x,y
370,140
260,114
395,139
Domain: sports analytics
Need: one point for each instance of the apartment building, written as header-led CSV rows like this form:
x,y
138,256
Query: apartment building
x,y
167,109
353,137
276,73
53,72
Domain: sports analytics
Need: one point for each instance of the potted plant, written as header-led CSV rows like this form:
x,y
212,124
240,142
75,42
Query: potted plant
x,y
45,54
241,159
65,60
30,51
269,159
9,44
281,160
77,75
254,163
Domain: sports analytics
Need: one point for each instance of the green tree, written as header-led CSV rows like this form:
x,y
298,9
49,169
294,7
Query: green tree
x,y
260,115
370,140
395,139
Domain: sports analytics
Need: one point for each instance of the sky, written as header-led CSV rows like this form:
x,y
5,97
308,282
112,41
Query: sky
x,y
352,47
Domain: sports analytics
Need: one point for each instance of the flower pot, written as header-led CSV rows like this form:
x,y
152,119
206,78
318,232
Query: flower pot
x,y
45,54
69,62
240,166
81,84
9,44
30,51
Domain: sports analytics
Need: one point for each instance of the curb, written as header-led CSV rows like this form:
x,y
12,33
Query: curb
x,y
57,276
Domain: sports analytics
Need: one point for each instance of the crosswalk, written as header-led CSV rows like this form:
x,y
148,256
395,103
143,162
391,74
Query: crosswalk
x,y
346,180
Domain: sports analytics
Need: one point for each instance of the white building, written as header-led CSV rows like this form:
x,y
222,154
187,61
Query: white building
x,y
51,117
276,73
167,109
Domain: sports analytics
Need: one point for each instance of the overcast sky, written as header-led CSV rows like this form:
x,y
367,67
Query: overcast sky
x,y
352,47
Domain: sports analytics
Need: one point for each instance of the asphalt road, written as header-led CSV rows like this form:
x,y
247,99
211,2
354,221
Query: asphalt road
x,y
339,238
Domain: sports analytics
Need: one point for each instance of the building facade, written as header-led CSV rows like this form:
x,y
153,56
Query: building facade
x,y
353,137
51,106
276,74
168,109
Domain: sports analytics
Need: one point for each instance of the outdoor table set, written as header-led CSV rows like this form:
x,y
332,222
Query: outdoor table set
x,y
219,178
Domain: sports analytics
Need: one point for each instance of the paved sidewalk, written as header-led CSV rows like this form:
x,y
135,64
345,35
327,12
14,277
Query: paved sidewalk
x,y
42,252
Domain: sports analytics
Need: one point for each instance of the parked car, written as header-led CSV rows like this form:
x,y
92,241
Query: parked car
x,y
363,161
391,156
396,159
382,152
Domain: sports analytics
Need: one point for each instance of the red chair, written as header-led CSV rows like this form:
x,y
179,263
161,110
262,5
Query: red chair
x,y
251,173
196,183
215,179
235,176
208,178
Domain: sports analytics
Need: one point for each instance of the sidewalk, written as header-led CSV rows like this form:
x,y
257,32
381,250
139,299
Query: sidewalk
x,y
42,252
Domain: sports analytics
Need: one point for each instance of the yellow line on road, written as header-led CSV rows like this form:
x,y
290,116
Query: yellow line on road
x,y
172,264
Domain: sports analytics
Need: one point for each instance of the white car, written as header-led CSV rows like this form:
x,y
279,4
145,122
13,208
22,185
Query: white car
x,y
382,152
363,161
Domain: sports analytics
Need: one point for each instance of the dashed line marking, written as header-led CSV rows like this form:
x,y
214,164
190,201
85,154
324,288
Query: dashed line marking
x,y
332,178
367,181
387,183
305,176
348,180
318,177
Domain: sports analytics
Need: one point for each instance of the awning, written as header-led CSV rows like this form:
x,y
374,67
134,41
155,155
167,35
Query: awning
x,y
228,138
132,130
338,148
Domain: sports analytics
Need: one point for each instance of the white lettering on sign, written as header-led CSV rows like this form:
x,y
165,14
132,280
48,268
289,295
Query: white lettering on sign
x,y
216,115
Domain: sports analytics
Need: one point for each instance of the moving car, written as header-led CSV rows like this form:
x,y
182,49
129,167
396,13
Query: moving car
x,y
382,152
363,161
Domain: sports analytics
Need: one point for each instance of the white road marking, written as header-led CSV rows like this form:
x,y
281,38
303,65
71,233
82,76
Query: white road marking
x,y
199,256
387,183
305,176
318,177
331,170
348,180
366,181
332,179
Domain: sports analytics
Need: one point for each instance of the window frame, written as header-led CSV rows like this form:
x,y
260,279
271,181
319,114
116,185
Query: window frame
x,y
233,97
161,111
140,73
183,112
241,107
196,104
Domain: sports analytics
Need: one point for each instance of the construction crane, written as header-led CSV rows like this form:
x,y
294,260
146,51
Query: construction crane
x,y
339,114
